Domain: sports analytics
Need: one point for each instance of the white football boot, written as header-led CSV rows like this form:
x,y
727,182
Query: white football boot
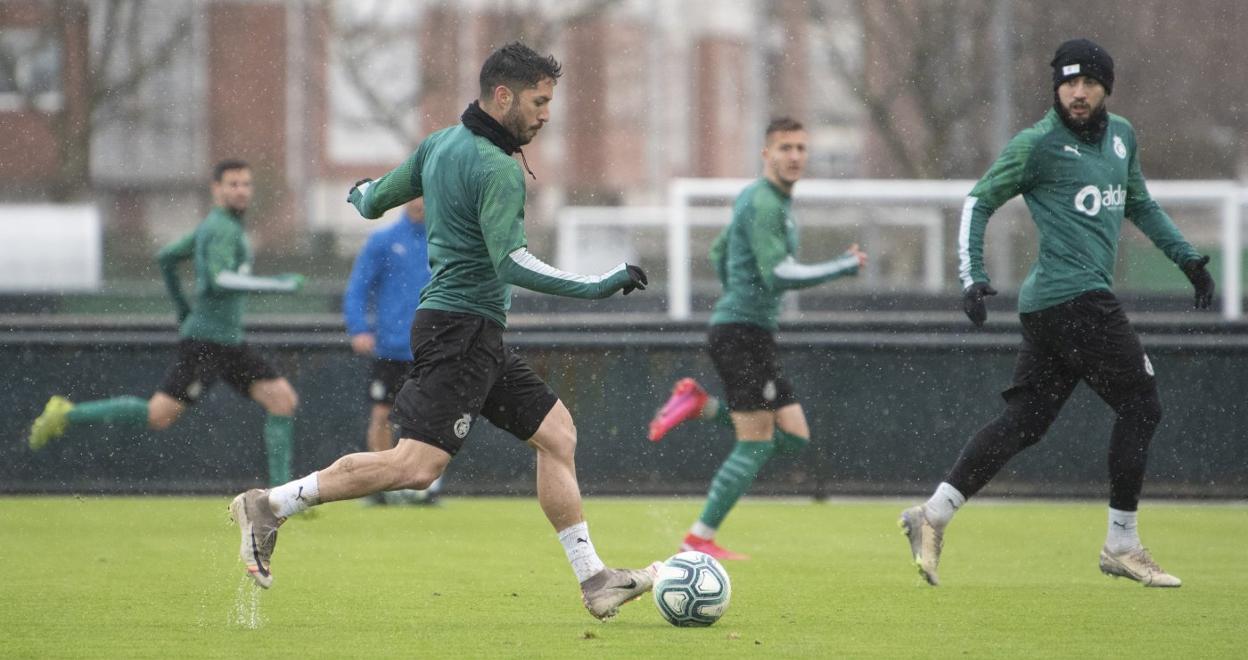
x,y
925,542
258,525
608,589
1137,565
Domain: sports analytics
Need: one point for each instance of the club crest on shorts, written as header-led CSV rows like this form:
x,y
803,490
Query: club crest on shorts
x,y
377,390
1148,365
195,389
769,390
462,425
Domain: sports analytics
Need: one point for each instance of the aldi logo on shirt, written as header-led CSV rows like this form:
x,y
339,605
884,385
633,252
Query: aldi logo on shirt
x,y
1090,199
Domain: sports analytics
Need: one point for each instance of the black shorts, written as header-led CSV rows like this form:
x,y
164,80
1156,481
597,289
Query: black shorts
x,y
201,363
745,358
1087,338
385,380
462,371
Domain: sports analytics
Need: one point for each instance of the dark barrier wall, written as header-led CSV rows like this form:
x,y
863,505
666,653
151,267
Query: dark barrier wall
x,y
890,404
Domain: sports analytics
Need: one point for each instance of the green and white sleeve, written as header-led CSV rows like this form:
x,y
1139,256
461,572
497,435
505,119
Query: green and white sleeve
x,y
223,270
780,270
1006,178
523,269
789,274
769,243
241,281
501,212
1156,224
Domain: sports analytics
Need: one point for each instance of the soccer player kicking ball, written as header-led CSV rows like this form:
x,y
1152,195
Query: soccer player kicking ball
x,y
1078,171
211,330
474,212
755,257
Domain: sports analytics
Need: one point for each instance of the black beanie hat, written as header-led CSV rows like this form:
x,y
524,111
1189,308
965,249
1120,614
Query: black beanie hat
x,y
1081,57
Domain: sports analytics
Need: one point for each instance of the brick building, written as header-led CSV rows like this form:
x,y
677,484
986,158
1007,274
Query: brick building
x,y
317,95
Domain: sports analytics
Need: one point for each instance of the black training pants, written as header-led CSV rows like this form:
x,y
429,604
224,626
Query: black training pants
x,y
1087,338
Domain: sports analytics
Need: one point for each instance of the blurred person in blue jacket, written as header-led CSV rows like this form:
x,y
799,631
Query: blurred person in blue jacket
x,y
380,301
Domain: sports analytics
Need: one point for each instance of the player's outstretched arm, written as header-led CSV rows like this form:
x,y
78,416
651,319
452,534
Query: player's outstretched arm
x,y
789,274
521,268
1008,176
236,281
396,188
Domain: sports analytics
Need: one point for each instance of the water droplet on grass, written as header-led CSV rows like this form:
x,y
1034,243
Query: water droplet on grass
x,y
246,610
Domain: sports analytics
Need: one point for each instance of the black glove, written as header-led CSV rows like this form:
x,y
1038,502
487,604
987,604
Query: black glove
x,y
973,302
354,193
1201,280
636,279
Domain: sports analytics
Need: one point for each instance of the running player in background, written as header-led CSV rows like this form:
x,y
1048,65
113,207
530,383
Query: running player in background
x,y
1078,171
756,258
211,331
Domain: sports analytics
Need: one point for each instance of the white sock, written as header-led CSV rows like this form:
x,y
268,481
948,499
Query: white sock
x,y
702,530
1123,535
710,408
295,496
580,550
943,504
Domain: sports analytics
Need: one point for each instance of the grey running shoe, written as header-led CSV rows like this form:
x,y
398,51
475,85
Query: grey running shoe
x,y
1137,565
258,525
608,589
925,542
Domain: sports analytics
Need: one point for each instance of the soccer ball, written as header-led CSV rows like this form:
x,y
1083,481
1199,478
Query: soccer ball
x,y
692,590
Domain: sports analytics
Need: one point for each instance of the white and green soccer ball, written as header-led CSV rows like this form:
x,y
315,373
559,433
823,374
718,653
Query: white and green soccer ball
x,y
692,589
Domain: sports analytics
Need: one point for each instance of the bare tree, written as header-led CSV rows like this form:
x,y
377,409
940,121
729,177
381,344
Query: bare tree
x,y
924,72
365,43
921,73
1179,75
540,30
114,70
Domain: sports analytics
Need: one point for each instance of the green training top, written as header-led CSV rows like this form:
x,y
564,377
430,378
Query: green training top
x,y
1078,194
755,257
222,258
474,219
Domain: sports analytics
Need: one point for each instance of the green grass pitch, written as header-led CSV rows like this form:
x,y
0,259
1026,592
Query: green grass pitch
x,y
474,578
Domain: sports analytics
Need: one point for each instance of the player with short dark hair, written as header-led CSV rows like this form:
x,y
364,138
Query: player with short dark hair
x,y
474,211
1079,172
380,300
211,330
756,259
